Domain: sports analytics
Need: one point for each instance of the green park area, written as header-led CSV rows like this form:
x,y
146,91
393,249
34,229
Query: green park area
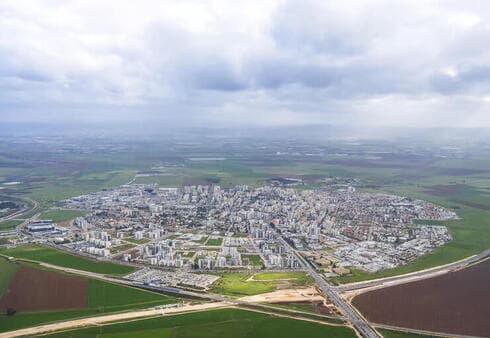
x,y
239,284
56,257
225,323
254,260
214,241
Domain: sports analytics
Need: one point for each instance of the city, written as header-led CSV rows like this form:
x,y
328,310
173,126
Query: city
x,y
206,228
255,169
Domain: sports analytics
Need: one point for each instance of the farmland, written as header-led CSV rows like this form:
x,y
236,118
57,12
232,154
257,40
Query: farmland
x,y
216,323
7,271
453,303
60,215
59,258
398,334
33,289
42,296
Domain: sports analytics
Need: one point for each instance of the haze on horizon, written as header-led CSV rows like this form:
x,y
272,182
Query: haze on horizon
x,y
250,63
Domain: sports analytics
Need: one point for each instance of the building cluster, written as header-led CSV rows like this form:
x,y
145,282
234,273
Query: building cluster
x,y
364,230
156,277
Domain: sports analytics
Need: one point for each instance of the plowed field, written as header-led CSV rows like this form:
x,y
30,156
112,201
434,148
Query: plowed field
x,y
457,303
32,290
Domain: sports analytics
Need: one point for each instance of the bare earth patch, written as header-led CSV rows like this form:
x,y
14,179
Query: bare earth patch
x,y
33,290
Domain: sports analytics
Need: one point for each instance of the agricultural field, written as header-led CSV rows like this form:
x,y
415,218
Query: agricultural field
x,y
167,181
39,290
10,224
7,272
458,298
226,323
63,259
60,215
315,307
42,296
248,284
398,334
48,177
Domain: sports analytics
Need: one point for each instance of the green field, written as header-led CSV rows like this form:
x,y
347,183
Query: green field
x,y
305,307
10,224
216,323
7,271
63,259
137,241
214,241
429,222
57,188
237,284
188,254
162,181
103,297
109,297
254,260
297,276
62,215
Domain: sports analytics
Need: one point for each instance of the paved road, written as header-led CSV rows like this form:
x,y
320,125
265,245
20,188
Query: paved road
x,y
22,211
360,323
414,275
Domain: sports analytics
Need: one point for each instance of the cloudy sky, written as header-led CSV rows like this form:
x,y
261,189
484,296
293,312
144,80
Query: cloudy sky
x,y
372,63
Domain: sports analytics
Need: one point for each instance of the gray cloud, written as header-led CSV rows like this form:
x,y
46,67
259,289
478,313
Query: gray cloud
x,y
285,62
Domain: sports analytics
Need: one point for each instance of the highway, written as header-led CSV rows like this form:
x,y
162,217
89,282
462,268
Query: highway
x,y
14,215
428,273
360,323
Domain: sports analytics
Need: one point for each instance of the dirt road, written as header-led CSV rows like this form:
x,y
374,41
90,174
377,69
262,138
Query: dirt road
x,y
286,296
78,323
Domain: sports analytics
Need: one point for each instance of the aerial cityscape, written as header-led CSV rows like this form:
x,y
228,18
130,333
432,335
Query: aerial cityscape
x,y
262,169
